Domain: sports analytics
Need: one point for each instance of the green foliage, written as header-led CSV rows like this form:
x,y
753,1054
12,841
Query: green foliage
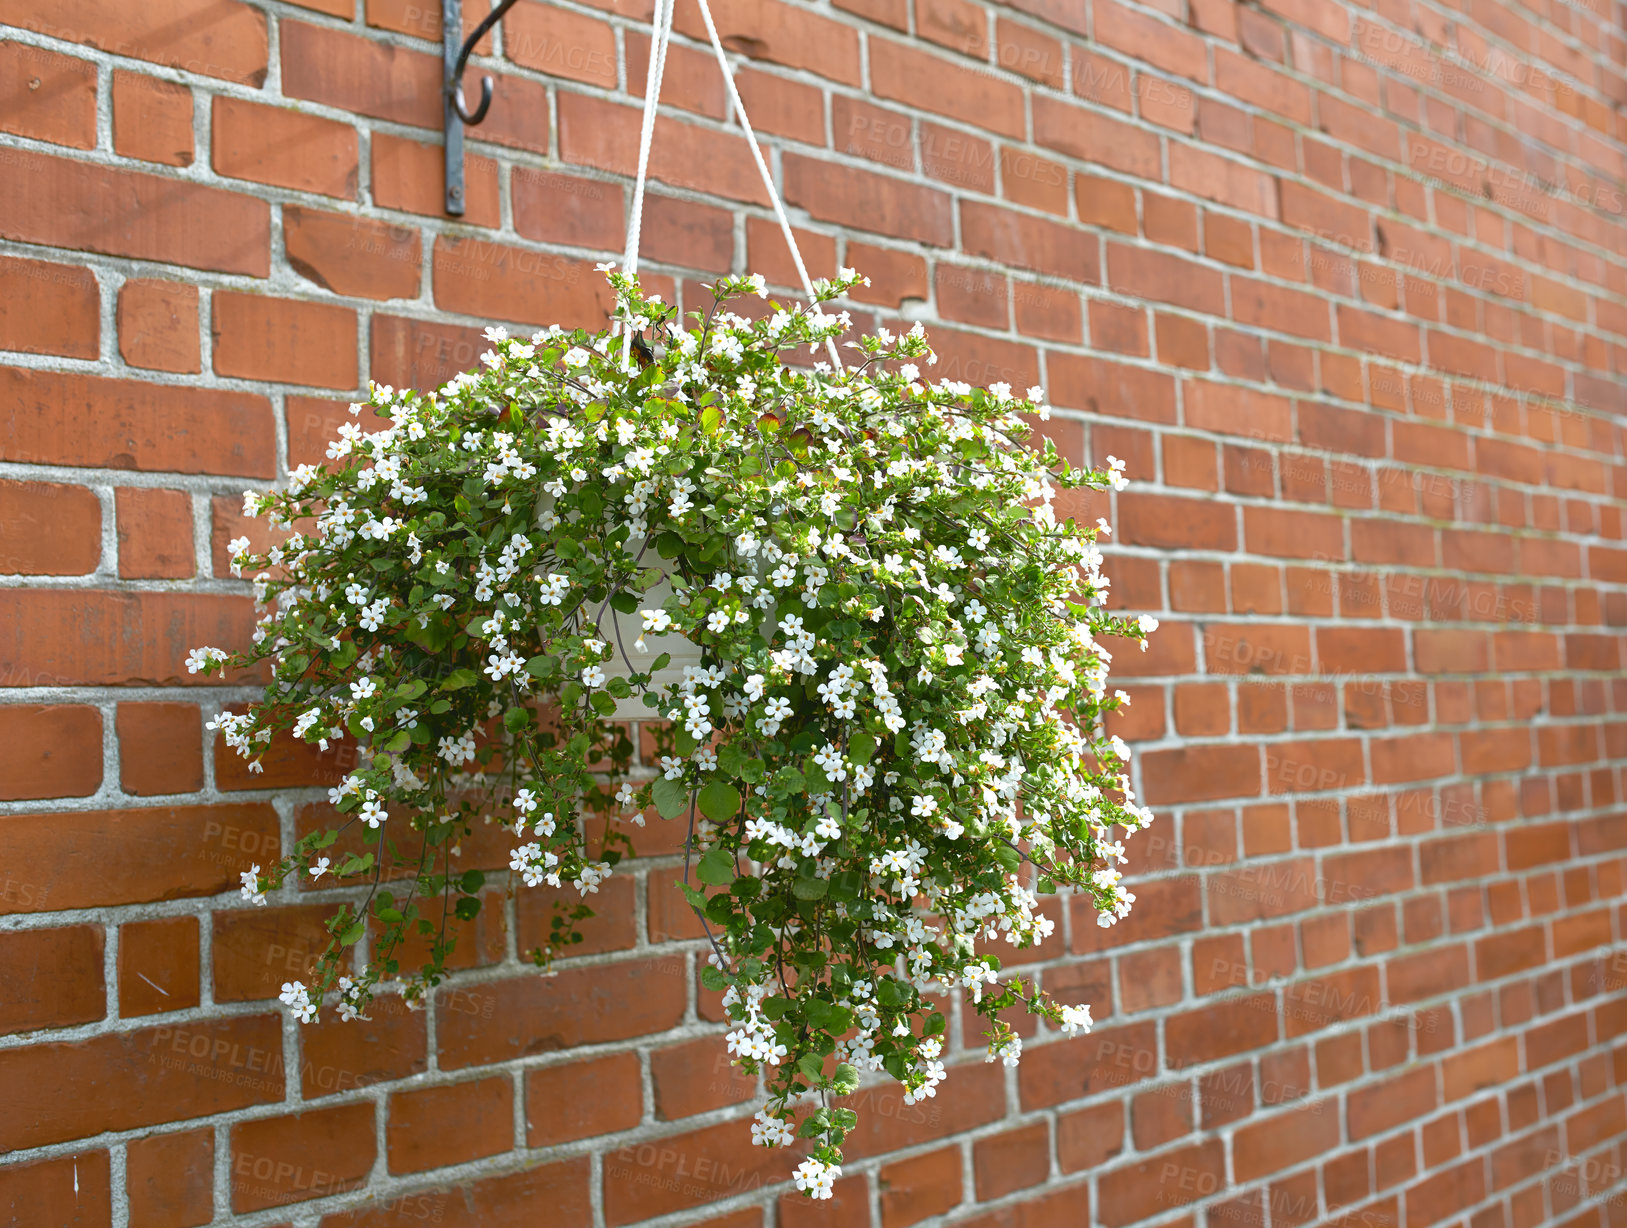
x,y
892,743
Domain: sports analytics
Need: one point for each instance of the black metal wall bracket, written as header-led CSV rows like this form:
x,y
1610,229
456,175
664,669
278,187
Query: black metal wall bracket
x,y
455,51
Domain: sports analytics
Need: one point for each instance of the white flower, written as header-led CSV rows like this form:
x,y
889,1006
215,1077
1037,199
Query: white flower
x,y
320,868
769,1131
204,660
298,999
815,1178
251,886
1076,1019
593,676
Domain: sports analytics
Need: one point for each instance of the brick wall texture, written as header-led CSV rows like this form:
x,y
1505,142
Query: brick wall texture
x,y
1345,283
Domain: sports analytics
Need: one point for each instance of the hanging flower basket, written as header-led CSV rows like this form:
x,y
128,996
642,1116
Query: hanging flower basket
x,y
884,743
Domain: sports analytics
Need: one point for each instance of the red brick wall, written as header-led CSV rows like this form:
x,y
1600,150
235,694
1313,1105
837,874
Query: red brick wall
x,y
1345,285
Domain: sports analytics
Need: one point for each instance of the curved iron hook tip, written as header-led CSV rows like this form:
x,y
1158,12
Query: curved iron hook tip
x,y
454,87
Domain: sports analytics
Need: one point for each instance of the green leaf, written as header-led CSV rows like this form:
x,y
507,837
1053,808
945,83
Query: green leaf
x,y
818,782
717,867
472,881
353,935
720,909
861,747
458,679
810,888
467,908
1008,857
719,802
844,885
713,978
671,797
544,666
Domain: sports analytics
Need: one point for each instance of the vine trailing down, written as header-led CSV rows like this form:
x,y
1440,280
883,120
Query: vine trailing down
x,y
892,744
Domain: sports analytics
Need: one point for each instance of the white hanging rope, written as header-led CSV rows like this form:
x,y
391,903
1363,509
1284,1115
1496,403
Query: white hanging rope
x,y
662,23
660,33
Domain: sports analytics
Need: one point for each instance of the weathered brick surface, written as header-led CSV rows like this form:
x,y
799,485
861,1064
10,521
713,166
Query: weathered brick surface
x,y
1344,285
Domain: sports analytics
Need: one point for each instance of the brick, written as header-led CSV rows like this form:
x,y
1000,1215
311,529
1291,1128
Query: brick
x,y
720,1159
160,748
605,135
1376,1109
152,119
1201,773
1160,520
144,1077
338,1055
286,340
217,38
56,978
283,148
433,1127
256,950
697,1076
158,326
781,34
686,233
582,1099
49,308
53,750
1170,1179
552,207
1221,1029
359,75
767,253
533,1015
1090,136
1051,248
1062,1071
407,354
280,1160
170,1179
411,176
155,533
508,1201
919,1188
73,1190
94,208
476,278
49,96
158,966
352,256
58,418
564,44
866,201
49,529
911,75
61,861
1015,1160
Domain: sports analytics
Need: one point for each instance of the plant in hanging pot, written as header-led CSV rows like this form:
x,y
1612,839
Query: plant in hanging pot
x,y
886,742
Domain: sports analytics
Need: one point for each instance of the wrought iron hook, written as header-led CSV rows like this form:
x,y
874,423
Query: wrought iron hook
x,y
454,83
455,58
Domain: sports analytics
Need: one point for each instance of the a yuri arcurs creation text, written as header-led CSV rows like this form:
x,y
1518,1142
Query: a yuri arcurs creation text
x,y
886,744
